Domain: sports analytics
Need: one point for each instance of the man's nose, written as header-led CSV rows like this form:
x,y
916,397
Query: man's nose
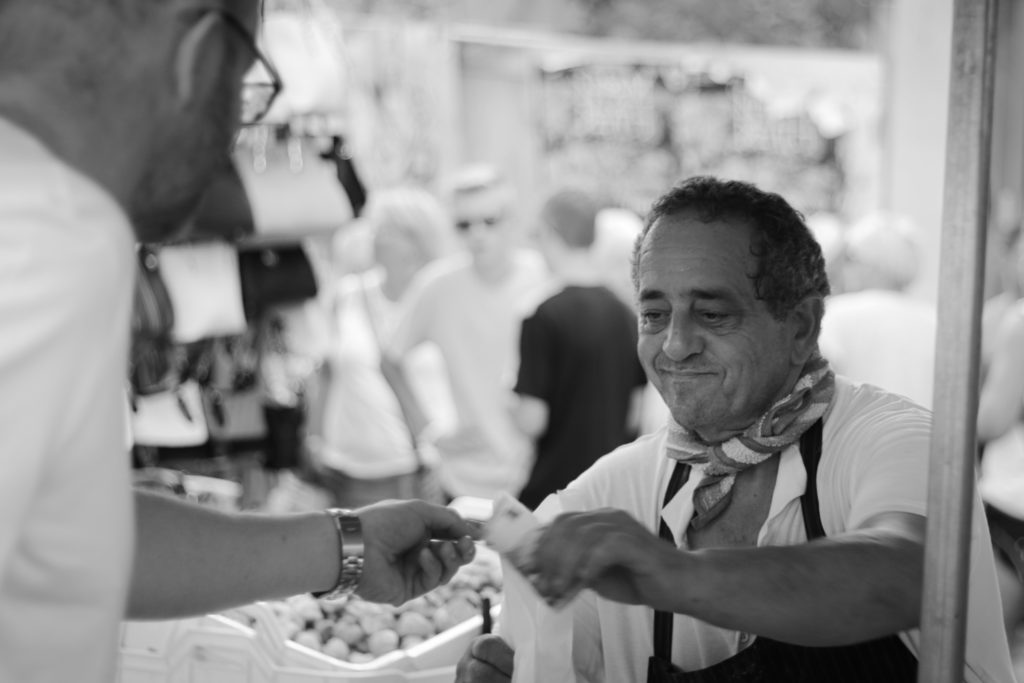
x,y
682,340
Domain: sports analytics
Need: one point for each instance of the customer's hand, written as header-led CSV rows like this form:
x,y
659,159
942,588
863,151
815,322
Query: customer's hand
x,y
411,547
488,660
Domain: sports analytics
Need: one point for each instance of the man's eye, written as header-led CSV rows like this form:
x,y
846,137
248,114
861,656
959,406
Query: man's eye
x,y
712,316
652,317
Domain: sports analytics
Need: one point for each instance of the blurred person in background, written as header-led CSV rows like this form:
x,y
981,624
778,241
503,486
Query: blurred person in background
x,y
617,231
366,440
114,117
580,383
876,331
1000,432
470,306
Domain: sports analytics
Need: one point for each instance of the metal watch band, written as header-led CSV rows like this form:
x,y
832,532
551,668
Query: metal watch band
x,y
350,549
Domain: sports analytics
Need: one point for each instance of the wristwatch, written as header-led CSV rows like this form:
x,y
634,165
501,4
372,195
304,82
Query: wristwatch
x,y
350,550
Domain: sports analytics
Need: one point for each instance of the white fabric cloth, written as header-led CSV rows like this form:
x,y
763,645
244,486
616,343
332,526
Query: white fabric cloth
x,y
66,521
874,459
364,433
883,338
476,326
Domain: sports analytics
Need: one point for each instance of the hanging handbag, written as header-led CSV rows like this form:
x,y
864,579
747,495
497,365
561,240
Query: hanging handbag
x,y
173,418
232,399
271,276
153,359
292,184
204,285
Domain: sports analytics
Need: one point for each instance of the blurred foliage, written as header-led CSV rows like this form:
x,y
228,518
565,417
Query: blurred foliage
x,y
799,23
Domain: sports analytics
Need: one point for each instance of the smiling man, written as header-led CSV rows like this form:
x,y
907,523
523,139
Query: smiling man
x,y
773,530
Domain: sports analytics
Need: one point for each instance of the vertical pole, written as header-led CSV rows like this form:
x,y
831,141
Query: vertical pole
x,y
961,276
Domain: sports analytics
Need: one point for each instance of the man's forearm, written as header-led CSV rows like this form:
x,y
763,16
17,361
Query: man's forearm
x,y
830,592
192,560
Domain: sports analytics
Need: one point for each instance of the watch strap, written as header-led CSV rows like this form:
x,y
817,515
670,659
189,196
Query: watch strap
x,y
350,551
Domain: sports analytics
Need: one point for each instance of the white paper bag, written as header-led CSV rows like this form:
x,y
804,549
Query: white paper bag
x,y
541,636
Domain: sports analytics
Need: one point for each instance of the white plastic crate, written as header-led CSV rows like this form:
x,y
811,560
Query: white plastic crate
x,y
216,649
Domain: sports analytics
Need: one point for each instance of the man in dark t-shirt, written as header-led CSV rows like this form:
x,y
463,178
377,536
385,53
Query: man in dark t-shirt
x,y
579,381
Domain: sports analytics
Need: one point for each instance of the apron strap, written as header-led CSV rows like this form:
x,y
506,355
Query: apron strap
x,y
663,620
810,453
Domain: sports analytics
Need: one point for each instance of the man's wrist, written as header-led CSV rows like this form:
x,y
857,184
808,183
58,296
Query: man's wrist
x,y
350,553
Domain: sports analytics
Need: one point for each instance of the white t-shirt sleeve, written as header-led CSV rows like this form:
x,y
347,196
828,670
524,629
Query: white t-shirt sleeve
x,y
881,462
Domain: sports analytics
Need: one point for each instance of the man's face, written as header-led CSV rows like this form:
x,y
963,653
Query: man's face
x,y
713,351
482,220
192,143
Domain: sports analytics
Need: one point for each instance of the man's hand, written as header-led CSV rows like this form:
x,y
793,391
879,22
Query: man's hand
x,y
411,547
488,660
606,550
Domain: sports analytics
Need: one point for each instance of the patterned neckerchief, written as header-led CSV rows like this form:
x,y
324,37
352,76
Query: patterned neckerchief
x,y
780,426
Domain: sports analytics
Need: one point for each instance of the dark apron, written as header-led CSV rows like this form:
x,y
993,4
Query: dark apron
x,y
766,661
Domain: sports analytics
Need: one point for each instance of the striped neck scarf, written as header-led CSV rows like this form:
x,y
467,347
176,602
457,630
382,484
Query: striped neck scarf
x,y
782,425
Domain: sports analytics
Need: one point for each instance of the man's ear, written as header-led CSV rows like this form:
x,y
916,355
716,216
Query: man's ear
x,y
806,321
188,62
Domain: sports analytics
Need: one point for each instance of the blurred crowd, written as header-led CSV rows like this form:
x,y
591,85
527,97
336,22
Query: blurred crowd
x,y
476,350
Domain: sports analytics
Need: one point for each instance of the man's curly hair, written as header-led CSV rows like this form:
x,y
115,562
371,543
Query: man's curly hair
x,y
790,265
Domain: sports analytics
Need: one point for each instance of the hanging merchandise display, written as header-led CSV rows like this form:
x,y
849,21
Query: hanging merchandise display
x,y
271,276
152,358
296,185
232,399
205,289
170,419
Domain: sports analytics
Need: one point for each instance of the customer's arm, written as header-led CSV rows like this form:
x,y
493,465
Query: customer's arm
x,y
191,559
843,589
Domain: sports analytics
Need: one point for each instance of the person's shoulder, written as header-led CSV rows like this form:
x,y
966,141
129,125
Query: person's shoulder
x,y
867,412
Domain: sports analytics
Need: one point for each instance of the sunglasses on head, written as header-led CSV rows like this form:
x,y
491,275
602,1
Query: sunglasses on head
x,y
464,224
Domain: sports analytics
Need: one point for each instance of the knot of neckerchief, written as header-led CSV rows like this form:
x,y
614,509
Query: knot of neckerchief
x,y
780,426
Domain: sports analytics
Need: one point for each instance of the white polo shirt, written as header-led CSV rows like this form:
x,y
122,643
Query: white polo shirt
x,y
66,519
874,459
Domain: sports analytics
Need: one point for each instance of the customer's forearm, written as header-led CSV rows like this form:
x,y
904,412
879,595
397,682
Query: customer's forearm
x,y
191,560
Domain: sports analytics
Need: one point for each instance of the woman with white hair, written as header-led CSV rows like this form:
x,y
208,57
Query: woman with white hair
x,y
366,420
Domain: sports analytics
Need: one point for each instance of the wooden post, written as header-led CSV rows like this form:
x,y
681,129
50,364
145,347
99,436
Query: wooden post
x,y
961,276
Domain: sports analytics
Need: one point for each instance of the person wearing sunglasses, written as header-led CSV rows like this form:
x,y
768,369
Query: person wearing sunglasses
x,y
114,116
470,306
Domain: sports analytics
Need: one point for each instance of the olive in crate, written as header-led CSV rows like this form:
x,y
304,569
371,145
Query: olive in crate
x,y
356,631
